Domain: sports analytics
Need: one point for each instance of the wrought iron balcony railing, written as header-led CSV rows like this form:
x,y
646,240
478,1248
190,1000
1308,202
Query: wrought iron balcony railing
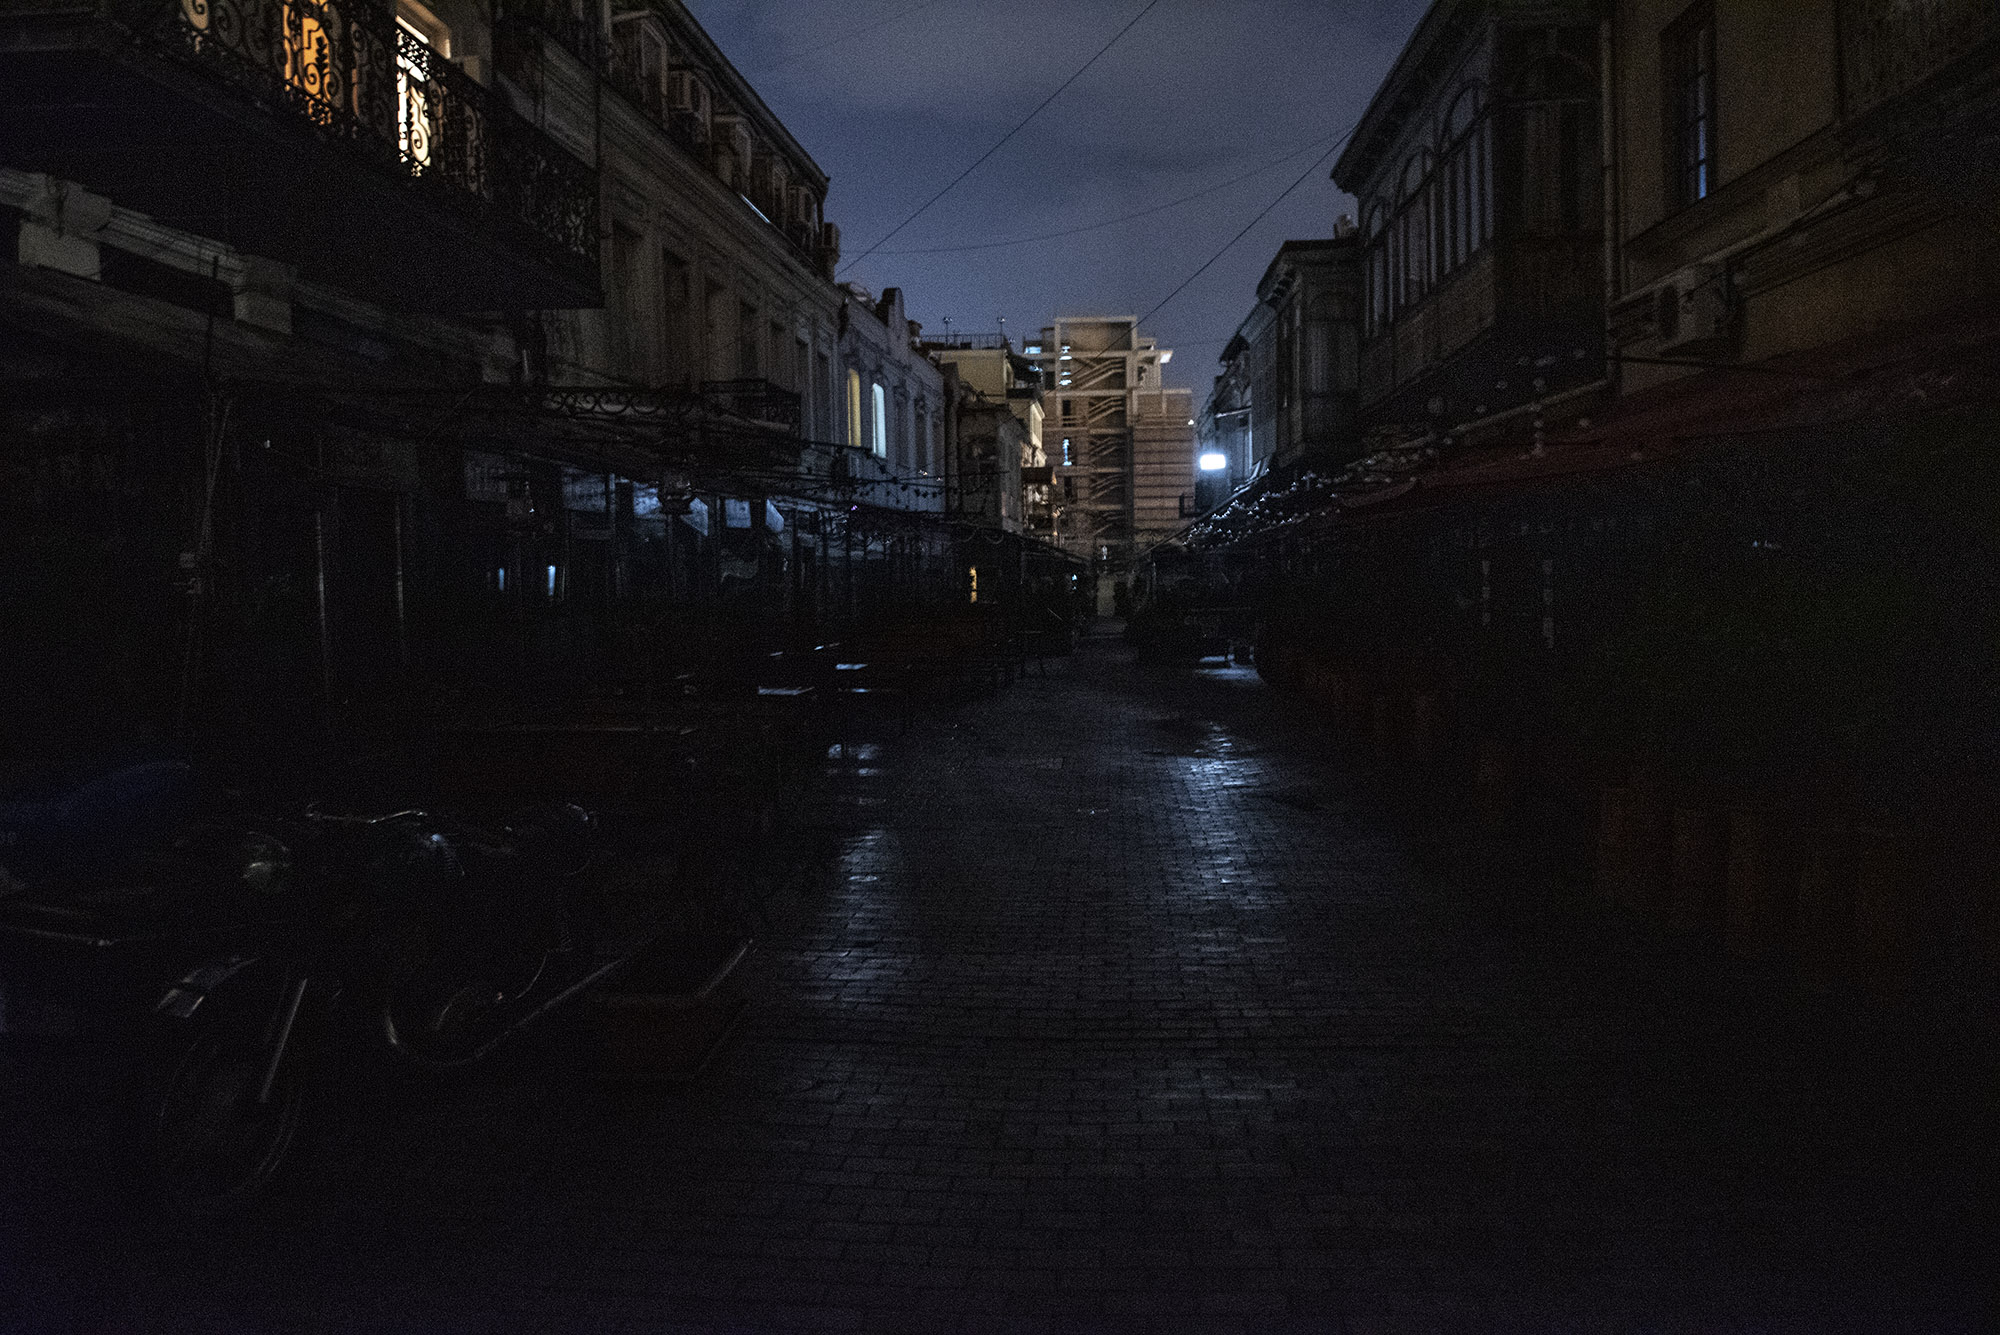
x,y
756,400
346,71
1888,47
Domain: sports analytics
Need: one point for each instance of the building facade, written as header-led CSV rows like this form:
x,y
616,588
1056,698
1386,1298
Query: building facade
x,y
1285,395
1104,380
443,354
1011,479
1786,180
1477,169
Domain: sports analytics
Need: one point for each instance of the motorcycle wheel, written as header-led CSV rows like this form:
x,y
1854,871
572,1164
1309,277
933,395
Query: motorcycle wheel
x,y
213,1147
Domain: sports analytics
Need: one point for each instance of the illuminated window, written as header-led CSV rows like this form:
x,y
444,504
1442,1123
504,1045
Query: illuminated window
x,y
417,106
854,408
1689,66
880,446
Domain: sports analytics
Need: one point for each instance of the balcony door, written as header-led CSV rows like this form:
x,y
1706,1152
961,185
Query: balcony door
x,y
419,35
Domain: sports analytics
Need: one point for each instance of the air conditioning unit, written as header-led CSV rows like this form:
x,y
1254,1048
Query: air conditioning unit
x,y
1695,312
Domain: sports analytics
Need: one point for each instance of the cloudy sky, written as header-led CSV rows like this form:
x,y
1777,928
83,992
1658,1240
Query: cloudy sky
x,y
893,98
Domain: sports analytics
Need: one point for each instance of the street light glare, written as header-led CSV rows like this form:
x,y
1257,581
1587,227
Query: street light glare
x,y
1214,462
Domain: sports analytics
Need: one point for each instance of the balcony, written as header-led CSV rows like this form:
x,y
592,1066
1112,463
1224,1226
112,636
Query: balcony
x,y
757,401
1889,47
317,132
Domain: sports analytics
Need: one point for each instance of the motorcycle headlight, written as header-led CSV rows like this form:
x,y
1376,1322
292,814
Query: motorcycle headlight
x,y
264,865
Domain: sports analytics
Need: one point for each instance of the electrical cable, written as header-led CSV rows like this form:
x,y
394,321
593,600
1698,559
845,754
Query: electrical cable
x,y
1123,218
1264,213
1019,126
896,17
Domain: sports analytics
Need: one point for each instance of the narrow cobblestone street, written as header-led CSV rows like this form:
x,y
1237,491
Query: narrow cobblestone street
x,y
1128,1006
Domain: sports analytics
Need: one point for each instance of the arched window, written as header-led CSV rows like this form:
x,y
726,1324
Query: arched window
x,y
1415,228
1377,232
1464,211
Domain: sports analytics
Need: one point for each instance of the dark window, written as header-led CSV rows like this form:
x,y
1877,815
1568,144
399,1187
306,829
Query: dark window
x,y
627,343
1688,61
747,362
676,297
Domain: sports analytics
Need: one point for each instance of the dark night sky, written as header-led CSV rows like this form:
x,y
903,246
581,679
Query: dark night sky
x,y
895,97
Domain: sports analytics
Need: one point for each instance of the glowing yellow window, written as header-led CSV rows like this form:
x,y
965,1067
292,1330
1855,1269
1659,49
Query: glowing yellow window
x,y
416,104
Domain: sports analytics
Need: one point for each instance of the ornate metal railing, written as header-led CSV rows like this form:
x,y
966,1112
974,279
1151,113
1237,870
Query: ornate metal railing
x,y
350,73
1890,46
573,23
757,400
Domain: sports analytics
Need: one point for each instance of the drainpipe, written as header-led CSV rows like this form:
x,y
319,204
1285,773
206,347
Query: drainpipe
x,y
1608,148
325,616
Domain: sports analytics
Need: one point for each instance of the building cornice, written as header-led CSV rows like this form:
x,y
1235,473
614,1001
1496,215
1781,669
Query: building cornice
x,y
737,88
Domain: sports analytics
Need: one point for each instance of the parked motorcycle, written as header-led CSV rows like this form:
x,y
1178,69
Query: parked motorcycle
x,y
235,957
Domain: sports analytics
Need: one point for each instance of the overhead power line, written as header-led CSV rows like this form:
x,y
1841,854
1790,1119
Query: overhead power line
x,y
1264,213
854,36
1000,143
1122,218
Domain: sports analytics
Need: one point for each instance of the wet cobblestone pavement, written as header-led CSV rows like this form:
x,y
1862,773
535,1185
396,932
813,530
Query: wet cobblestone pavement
x,y
1125,1005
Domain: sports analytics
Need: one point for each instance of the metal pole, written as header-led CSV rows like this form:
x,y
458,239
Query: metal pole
x,y
325,616
402,605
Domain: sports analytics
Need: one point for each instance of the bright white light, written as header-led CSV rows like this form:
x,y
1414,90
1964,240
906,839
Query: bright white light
x,y
1214,462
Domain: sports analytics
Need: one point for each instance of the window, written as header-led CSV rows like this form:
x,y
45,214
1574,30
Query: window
x,y
1688,62
417,105
854,409
748,364
879,446
1465,210
1378,269
714,311
1319,358
1556,97
627,347
1412,234
822,388
676,296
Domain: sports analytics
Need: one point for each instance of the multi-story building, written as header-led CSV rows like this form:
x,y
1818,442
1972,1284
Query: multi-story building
x,y
242,356
439,348
1013,487
1105,381
1791,178
1285,395
1477,168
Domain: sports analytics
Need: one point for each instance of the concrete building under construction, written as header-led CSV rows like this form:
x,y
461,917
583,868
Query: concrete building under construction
x,y
1120,441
